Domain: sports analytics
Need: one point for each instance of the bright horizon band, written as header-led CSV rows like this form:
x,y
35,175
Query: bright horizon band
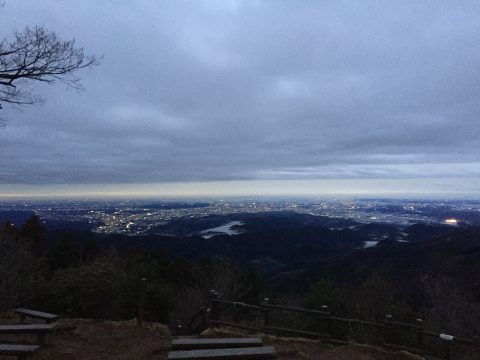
x,y
448,188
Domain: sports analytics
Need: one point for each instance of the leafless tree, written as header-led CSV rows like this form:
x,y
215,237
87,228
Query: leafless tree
x,y
37,54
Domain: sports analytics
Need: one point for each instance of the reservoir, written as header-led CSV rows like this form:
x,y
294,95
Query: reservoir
x,y
227,229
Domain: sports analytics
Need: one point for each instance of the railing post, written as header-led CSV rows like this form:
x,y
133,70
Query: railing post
x,y
213,305
203,316
327,319
178,328
141,302
448,339
387,320
420,335
266,315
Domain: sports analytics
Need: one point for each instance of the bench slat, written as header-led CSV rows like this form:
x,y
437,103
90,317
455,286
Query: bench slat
x,y
36,314
25,329
14,349
215,343
267,352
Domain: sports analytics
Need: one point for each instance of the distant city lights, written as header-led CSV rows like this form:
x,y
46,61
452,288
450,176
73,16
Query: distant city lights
x,y
451,221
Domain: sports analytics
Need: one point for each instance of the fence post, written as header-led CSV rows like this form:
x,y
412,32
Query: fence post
x,y
327,319
179,328
213,305
387,320
141,302
203,316
420,335
266,315
448,341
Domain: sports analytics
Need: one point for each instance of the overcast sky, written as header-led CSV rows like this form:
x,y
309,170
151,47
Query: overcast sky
x,y
383,95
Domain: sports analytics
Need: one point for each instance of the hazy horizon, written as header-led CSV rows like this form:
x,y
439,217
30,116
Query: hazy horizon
x,y
387,188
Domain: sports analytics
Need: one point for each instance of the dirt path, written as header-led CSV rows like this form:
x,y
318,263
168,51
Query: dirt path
x,y
101,340
300,349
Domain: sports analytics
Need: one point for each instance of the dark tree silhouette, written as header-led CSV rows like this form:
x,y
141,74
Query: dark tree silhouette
x,y
33,232
38,55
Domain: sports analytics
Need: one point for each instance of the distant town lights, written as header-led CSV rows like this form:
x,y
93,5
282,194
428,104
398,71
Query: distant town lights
x,y
451,221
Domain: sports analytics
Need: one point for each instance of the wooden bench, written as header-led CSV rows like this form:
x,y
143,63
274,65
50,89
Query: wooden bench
x,y
20,351
266,352
39,330
215,343
47,317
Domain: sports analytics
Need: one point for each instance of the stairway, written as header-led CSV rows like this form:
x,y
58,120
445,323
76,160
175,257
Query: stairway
x,y
220,349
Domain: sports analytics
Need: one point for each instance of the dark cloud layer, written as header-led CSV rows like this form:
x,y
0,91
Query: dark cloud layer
x,y
253,90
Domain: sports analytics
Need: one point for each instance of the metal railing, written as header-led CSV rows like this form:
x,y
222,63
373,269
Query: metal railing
x,y
321,324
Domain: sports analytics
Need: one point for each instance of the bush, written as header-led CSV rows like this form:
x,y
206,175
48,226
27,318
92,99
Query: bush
x,y
20,270
95,290
326,292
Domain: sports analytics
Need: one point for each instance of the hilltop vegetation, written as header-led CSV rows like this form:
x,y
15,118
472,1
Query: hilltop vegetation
x,y
86,280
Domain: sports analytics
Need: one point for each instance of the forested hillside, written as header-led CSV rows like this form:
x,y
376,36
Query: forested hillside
x,y
79,274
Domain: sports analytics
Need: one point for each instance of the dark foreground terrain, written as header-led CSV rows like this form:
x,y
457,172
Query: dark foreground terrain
x,y
426,271
77,339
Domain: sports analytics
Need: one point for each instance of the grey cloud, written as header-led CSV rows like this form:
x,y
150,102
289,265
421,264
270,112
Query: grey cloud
x,y
238,90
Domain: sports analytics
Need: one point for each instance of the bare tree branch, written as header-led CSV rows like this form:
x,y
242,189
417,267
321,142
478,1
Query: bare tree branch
x,y
38,55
